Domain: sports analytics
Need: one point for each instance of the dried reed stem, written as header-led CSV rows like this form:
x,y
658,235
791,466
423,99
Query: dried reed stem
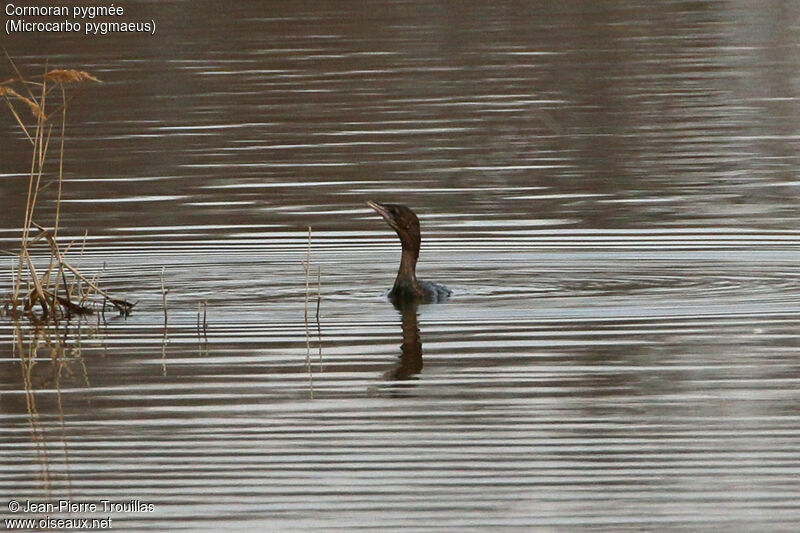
x,y
319,299
76,281
55,253
164,292
37,284
6,92
61,160
319,290
307,267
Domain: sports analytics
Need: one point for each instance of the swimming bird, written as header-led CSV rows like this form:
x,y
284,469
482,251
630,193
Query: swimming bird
x,y
406,286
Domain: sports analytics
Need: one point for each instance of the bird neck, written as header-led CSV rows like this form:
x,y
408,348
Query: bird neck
x,y
406,275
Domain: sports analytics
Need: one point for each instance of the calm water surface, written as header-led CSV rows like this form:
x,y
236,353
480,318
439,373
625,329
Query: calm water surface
x,y
611,192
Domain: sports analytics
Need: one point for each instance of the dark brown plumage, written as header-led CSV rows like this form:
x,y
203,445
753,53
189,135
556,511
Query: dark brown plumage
x,y
406,286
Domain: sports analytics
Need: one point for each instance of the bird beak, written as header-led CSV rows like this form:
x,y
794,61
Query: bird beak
x,y
381,210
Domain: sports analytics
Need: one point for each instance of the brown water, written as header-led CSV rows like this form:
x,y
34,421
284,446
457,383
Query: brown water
x,y
609,189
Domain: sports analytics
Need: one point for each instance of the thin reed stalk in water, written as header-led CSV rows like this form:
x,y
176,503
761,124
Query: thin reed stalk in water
x,y
319,328
319,290
164,292
202,326
77,281
307,267
61,159
164,336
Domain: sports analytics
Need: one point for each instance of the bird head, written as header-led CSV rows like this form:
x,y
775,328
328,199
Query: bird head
x,y
402,220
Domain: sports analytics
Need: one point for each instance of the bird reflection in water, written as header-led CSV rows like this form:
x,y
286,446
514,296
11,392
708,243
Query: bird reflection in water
x,y
410,363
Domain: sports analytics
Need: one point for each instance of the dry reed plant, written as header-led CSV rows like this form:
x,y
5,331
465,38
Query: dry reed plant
x,y
164,292
39,107
307,269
